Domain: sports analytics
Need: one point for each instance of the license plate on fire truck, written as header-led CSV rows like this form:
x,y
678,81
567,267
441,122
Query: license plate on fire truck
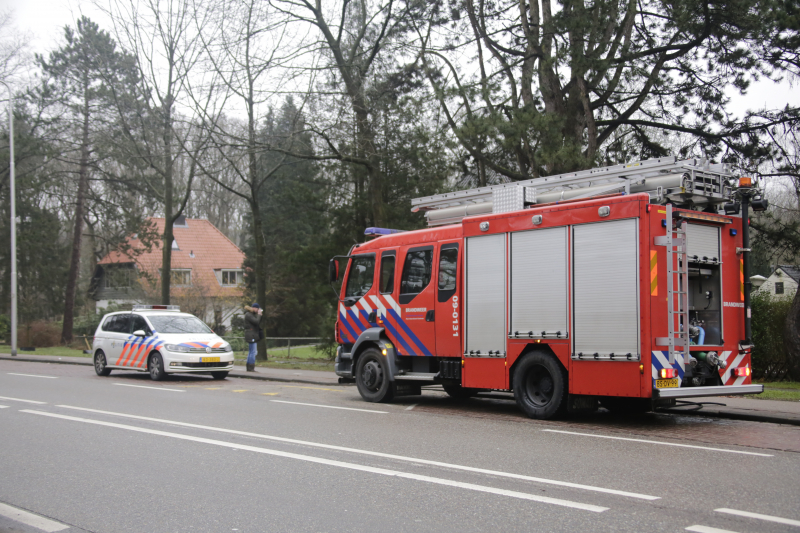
x,y
216,360
667,383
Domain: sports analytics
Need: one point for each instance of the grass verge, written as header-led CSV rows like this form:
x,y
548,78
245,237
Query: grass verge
x,y
779,390
61,351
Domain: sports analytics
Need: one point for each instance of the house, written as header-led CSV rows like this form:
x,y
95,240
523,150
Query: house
x,y
782,283
207,273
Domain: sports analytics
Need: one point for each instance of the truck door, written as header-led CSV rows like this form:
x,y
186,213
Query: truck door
x,y
355,308
448,304
415,324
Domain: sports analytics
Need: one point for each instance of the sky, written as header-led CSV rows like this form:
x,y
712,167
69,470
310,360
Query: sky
x,y
44,21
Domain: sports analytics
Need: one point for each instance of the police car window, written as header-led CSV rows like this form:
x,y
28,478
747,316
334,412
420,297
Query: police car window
x,y
387,274
178,324
447,269
140,323
108,325
121,324
416,271
360,279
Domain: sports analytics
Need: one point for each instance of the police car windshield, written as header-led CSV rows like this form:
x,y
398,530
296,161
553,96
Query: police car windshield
x,y
178,324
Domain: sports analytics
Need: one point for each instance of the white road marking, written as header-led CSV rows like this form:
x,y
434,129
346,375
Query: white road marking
x,y
376,454
146,387
3,407
21,400
340,464
333,407
31,375
706,448
706,529
778,519
30,519
411,407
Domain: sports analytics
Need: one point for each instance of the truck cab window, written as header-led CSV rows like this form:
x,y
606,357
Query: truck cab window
x,y
387,274
447,269
416,271
360,279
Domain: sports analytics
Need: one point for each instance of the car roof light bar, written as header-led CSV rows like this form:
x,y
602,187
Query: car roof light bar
x,y
156,308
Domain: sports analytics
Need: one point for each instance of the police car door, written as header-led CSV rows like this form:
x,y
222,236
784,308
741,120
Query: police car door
x,y
416,330
117,339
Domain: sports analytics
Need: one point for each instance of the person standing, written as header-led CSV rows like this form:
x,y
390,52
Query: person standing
x,y
252,333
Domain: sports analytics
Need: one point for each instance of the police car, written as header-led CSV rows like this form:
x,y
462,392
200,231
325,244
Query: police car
x,y
159,339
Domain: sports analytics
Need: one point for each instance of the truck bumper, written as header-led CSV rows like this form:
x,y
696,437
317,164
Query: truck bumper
x,y
697,392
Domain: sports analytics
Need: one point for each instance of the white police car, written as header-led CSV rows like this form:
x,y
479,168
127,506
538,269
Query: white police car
x,y
159,339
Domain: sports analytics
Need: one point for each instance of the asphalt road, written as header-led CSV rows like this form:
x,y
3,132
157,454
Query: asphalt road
x,y
84,453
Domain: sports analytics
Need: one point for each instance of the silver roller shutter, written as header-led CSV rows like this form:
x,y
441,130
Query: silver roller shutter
x,y
702,241
486,291
605,263
538,284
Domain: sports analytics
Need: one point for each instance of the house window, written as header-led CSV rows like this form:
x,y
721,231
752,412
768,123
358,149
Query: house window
x,y
181,277
232,278
118,278
779,287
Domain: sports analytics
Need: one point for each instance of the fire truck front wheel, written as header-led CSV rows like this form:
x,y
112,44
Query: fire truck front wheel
x,y
372,377
540,386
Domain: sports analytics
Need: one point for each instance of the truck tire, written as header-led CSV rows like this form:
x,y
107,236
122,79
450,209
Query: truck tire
x,y
540,386
100,364
457,392
372,377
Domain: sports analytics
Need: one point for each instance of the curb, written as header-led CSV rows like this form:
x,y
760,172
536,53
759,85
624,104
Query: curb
x,y
732,415
238,374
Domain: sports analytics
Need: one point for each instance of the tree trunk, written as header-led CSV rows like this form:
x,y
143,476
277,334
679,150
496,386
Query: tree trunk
x,y
261,269
792,338
166,256
75,261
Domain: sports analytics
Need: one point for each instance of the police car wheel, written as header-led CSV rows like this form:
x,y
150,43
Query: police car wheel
x,y
372,377
540,386
219,375
100,364
155,365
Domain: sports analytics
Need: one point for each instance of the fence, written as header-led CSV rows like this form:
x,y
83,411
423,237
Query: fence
x,y
278,344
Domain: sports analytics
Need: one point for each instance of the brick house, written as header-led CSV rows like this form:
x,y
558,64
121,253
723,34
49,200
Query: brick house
x,y
207,273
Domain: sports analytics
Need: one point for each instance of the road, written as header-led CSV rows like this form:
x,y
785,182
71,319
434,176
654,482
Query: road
x,y
122,453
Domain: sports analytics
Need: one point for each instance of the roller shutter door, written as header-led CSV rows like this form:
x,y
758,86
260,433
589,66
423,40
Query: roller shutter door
x,y
538,284
485,294
703,241
606,296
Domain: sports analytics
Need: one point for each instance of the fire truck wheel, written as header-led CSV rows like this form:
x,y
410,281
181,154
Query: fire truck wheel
x,y
540,386
100,364
457,392
372,377
155,365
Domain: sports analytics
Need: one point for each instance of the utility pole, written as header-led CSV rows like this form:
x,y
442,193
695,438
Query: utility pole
x,y
12,196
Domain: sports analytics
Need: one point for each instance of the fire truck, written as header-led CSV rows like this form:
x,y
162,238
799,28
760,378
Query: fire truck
x,y
625,286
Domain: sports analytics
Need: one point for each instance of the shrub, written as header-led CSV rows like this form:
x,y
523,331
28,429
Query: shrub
x,y
770,360
39,334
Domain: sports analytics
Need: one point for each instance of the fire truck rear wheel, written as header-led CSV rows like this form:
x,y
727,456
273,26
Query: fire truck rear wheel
x,y
540,386
372,377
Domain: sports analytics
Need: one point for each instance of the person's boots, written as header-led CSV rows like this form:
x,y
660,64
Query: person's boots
x,y
251,367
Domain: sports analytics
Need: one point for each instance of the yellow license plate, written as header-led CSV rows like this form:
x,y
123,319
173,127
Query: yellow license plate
x,y
667,383
216,360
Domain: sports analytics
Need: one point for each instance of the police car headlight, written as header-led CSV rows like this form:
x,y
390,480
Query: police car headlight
x,y
226,347
177,348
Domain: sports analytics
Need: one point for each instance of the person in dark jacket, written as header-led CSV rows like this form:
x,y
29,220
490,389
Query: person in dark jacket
x,y
252,335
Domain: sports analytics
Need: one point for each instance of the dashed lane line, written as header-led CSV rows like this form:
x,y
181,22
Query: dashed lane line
x,y
411,407
312,388
31,375
705,448
415,460
333,407
146,387
3,407
30,519
21,400
339,464
706,529
768,518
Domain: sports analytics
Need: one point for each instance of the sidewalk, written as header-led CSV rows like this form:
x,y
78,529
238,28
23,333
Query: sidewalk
x,y
313,377
736,407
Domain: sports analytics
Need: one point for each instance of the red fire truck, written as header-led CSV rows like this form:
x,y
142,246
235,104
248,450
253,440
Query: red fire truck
x,y
625,286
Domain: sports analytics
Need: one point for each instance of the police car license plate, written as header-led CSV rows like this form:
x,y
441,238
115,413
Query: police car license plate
x,y
666,383
216,360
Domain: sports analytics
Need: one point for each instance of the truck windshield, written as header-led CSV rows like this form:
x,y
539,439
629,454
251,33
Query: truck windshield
x,y
362,274
178,324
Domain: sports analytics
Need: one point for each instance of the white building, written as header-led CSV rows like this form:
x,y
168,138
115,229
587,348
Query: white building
x,y
782,283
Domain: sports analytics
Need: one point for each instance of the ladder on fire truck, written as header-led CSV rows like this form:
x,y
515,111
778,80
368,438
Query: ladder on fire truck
x,y
684,182
677,297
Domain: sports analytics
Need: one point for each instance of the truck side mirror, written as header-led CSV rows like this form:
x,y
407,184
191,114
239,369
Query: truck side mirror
x,y
333,270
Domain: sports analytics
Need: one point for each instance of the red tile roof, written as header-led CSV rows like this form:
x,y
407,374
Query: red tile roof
x,y
211,249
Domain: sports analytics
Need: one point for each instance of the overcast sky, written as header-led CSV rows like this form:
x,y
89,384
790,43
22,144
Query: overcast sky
x,y
44,21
